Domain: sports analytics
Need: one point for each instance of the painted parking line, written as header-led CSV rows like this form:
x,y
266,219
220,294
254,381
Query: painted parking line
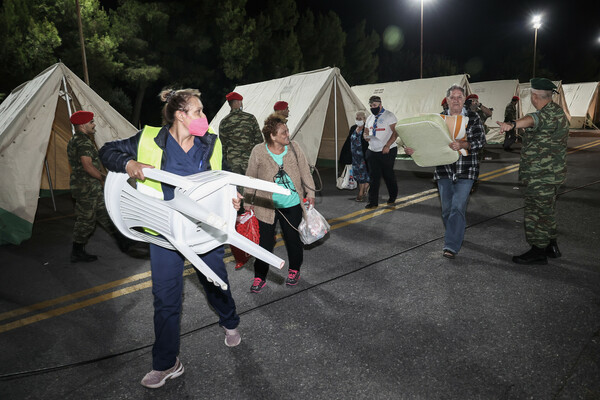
x,y
335,223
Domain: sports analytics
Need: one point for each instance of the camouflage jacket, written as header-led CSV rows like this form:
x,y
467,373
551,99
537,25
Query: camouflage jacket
x,y
544,150
82,182
239,133
510,112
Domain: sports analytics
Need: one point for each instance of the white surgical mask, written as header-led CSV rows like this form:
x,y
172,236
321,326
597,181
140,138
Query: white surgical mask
x,y
359,123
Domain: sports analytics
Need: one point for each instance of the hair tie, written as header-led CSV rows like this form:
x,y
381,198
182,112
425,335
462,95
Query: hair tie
x,y
170,95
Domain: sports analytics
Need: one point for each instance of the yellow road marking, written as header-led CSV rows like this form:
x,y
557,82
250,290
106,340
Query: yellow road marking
x,y
335,223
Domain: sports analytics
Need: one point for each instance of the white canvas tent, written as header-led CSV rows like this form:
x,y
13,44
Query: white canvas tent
x,y
34,132
583,104
496,95
411,98
322,109
525,95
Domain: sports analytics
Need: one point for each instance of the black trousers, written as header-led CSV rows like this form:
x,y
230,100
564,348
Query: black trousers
x,y
509,139
382,165
291,237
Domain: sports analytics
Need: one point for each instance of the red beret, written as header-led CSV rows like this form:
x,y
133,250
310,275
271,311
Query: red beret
x,y
515,98
81,117
444,101
280,106
234,96
472,96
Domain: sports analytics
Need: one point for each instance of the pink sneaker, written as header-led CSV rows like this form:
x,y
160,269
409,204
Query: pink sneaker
x,y
292,278
257,285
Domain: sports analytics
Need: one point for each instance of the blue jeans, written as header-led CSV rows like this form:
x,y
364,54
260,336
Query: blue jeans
x,y
454,197
167,288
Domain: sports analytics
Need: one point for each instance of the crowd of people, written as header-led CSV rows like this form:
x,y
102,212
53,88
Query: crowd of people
x,y
186,145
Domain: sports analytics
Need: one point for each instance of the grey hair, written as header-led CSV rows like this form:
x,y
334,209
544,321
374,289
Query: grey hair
x,y
455,87
362,114
542,94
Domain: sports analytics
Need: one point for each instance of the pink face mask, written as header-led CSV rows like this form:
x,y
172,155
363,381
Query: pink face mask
x,y
198,127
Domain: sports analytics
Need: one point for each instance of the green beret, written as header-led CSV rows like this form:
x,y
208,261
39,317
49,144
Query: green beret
x,y
542,84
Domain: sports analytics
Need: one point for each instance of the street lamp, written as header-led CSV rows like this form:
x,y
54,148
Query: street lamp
x,y
537,22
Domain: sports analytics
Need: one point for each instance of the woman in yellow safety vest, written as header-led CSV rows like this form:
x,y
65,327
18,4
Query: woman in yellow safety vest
x,y
182,147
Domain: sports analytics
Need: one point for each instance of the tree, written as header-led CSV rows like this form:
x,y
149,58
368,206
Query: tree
x,y
29,40
362,61
139,29
237,46
321,41
279,53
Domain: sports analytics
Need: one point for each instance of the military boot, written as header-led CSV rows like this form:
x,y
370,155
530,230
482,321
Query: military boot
x,y
535,256
552,249
79,254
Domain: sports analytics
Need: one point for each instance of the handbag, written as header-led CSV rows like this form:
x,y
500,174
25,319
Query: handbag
x,y
313,226
346,180
246,224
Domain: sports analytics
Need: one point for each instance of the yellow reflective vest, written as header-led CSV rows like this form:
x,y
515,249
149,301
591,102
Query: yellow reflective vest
x,y
149,153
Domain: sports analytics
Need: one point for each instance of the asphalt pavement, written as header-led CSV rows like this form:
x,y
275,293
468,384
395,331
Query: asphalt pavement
x,y
378,312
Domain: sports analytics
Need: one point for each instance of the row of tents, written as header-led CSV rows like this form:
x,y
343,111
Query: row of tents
x,y
35,128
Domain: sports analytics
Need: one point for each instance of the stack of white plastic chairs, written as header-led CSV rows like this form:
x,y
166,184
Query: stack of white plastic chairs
x,y
197,220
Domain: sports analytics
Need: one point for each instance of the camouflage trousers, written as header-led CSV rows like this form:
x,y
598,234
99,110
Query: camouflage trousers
x,y
89,210
540,213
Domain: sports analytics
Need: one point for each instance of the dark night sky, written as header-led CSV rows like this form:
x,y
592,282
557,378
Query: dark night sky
x,y
486,29
463,29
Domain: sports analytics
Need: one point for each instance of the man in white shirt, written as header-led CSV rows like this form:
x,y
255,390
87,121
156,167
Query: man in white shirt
x,y
381,134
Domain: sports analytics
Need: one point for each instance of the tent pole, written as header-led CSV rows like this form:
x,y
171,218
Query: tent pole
x,y
49,182
335,122
68,100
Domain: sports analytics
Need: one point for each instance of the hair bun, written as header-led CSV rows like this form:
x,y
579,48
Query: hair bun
x,y
169,95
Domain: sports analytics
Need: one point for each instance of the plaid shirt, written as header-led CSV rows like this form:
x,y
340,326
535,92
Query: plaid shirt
x,y
467,167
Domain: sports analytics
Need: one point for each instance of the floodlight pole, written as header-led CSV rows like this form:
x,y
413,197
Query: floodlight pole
x,y
83,59
422,39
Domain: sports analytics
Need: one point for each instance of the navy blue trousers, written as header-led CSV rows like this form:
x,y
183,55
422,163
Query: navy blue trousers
x,y
167,288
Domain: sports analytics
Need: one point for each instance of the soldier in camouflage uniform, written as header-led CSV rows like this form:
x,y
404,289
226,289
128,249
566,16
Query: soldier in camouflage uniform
x,y
87,181
543,169
239,133
510,114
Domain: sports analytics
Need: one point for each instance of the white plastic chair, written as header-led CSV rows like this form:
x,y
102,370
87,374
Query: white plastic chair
x,y
197,220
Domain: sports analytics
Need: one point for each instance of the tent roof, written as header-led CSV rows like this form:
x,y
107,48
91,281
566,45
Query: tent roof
x,y
496,95
580,96
31,121
308,95
411,98
525,95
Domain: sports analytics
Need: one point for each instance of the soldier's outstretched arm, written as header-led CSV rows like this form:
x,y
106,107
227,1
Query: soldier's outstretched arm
x,y
525,122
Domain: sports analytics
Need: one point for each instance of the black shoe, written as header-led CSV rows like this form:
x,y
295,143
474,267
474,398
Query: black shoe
x,y
535,256
124,242
79,254
552,249
371,205
391,200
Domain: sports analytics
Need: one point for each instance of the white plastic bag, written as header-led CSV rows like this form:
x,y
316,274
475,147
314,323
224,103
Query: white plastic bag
x,y
346,180
313,226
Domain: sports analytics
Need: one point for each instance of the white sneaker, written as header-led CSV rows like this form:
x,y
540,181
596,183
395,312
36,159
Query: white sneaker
x,y
155,379
232,337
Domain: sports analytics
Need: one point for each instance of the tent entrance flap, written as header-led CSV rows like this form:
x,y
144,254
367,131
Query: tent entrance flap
x,y
328,149
56,153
